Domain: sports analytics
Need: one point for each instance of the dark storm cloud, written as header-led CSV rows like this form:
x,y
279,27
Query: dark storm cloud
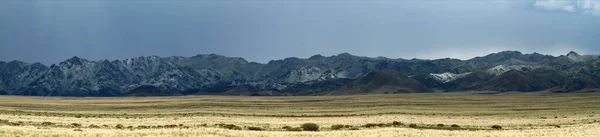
x,y
52,31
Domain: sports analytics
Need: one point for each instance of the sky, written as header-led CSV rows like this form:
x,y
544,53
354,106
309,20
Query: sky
x,y
51,31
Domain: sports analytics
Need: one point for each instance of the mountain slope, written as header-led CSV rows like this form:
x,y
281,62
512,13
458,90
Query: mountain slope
x,y
382,82
514,80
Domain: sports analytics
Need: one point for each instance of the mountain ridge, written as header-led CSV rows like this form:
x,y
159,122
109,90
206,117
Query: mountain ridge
x,y
80,77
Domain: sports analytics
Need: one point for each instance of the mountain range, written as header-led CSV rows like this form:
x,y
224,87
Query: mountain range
x,y
342,74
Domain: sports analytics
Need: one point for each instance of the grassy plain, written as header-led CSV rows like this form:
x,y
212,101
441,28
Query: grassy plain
x,y
539,114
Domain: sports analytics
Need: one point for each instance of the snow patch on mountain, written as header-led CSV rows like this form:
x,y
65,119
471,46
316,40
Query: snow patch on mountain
x,y
447,77
304,74
500,69
313,73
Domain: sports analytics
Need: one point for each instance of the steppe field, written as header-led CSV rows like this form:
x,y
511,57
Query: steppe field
x,y
435,115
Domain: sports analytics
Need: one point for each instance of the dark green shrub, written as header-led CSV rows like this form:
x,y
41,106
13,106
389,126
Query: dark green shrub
x,y
310,127
557,126
232,127
496,127
75,124
294,129
255,128
77,130
454,126
170,126
2,121
119,126
440,125
354,128
412,125
286,127
94,126
337,127
396,123
47,123
370,125
382,125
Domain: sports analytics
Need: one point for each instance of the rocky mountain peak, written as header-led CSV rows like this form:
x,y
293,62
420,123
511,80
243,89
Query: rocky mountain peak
x,y
345,54
75,61
317,56
573,53
509,52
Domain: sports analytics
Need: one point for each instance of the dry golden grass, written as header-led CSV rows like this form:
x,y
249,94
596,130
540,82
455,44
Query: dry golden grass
x,y
518,114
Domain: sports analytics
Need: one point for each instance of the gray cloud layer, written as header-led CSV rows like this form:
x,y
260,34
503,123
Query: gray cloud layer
x,y
591,7
51,31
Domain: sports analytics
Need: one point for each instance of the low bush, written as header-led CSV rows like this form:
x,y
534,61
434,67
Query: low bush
x,y
496,127
14,124
454,126
3,121
440,125
232,127
119,126
310,127
255,128
286,127
370,125
75,124
47,123
170,126
412,125
294,129
93,126
19,123
383,125
337,127
396,123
